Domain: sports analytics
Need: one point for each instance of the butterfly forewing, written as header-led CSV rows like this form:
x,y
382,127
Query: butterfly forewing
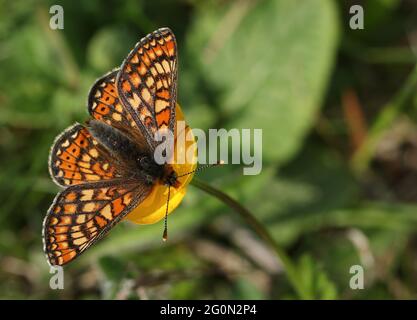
x,y
146,83
77,158
104,103
81,214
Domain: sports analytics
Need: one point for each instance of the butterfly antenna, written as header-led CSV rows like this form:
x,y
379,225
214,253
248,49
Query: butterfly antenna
x,y
165,235
218,163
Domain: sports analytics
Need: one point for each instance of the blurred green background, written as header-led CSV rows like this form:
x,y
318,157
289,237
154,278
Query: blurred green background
x,y
338,109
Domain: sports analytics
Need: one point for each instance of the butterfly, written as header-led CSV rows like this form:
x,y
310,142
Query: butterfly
x,y
107,166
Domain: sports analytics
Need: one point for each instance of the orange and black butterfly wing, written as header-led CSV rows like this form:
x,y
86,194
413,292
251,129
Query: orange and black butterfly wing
x,y
76,157
82,214
104,104
147,83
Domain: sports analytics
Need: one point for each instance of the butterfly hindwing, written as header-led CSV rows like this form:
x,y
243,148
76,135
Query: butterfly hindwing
x,y
146,83
82,214
77,158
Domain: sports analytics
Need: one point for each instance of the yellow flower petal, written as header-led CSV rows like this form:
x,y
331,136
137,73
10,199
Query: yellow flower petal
x,y
153,208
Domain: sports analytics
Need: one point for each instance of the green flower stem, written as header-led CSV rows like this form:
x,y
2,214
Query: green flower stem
x,y
390,111
262,232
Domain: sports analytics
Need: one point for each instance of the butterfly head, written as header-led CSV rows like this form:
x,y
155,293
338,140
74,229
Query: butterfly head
x,y
170,177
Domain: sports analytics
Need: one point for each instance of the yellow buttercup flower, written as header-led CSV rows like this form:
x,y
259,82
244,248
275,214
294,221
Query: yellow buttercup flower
x,y
153,208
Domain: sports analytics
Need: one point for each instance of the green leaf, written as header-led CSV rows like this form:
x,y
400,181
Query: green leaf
x,y
269,64
315,281
304,191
